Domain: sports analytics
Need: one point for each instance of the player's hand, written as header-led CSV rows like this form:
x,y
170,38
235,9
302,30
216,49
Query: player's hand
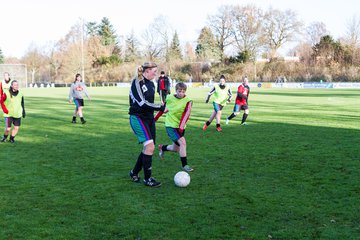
x,y
6,111
207,101
166,110
23,114
181,130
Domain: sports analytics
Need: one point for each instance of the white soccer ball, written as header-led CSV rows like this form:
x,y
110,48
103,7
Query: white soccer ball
x,y
182,179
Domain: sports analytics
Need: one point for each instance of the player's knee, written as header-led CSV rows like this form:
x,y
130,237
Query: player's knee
x,y
247,111
182,142
149,147
236,113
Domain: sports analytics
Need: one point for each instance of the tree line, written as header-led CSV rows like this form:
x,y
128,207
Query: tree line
x,y
231,43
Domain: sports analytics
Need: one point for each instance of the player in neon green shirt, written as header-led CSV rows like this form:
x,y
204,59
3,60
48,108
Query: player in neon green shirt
x,y
222,95
179,108
12,103
5,84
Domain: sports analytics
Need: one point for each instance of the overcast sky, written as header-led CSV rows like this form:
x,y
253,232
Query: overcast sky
x,y
43,22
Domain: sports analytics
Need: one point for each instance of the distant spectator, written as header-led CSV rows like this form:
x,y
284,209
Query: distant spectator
x,y
163,86
6,83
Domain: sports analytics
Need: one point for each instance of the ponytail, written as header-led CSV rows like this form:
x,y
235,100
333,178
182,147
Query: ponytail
x,y
139,75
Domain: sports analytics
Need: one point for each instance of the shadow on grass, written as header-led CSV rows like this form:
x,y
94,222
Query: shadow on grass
x,y
284,180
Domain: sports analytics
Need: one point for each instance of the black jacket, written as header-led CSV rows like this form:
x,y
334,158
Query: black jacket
x,y
141,98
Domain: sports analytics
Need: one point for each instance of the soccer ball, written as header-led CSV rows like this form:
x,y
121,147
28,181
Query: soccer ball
x,y
182,179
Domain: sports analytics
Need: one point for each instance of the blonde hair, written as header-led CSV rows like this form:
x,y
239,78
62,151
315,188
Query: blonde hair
x,y
141,69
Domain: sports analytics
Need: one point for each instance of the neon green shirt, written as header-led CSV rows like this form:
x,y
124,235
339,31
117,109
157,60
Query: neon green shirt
x,y
5,86
13,105
221,95
176,109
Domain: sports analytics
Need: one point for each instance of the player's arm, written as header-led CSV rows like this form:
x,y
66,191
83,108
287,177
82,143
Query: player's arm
x,y
71,92
229,95
2,100
240,95
137,96
85,91
23,107
209,95
185,116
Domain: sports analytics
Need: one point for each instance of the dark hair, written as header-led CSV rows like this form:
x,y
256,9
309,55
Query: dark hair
x,y
76,76
222,76
162,72
8,74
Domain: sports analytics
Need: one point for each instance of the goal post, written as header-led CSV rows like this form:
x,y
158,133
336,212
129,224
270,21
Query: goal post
x,y
17,72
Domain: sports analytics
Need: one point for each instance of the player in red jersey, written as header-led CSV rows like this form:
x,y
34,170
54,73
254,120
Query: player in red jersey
x,y
241,102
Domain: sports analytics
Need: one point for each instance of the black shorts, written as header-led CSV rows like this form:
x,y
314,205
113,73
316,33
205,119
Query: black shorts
x,y
79,102
239,107
10,120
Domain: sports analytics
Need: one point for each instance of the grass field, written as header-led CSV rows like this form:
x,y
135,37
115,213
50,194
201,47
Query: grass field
x,y
293,173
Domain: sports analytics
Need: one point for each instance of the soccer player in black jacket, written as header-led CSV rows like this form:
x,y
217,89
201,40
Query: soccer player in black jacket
x,y
142,107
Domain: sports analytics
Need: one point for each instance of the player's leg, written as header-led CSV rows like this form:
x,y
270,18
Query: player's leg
x,y
183,155
235,112
174,135
80,110
7,121
164,148
208,122
142,132
218,117
17,123
76,102
245,115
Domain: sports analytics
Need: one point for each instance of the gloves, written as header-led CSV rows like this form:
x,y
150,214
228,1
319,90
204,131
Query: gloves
x,y
23,114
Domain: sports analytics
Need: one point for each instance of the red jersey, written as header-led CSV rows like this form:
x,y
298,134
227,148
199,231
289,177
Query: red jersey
x,y
244,90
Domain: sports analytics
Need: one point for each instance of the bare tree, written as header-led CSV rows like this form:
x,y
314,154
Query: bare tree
x,y
352,38
156,38
247,26
315,31
280,27
189,52
353,31
220,25
34,59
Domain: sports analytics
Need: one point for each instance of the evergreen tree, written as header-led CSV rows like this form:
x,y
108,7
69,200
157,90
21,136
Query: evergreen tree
x,y
207,48
92,29
131,48
107,32
175,49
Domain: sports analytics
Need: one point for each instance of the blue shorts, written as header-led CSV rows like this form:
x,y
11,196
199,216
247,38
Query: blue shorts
x,y
174,134
239,107
143,129
217,107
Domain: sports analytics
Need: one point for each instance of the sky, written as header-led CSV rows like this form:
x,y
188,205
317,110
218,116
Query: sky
x,y
43,22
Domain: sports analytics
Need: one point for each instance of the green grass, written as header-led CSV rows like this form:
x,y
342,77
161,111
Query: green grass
x,y
293,173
